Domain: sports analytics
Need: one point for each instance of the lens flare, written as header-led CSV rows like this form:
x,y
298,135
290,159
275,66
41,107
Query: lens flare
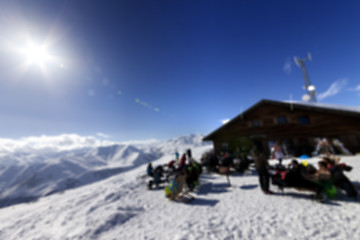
x,y
147,105
36,54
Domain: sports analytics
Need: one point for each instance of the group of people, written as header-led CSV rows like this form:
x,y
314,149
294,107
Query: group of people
x,y
180,176
223,161
322,180
324,146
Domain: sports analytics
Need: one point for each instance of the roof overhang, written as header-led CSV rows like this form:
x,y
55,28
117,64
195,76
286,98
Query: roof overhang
x,y
292,105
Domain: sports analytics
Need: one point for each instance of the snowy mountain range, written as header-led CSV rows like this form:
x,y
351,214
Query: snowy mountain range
x,y
36,167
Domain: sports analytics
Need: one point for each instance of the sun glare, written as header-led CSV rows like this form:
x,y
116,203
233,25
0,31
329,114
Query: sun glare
x,y
36,54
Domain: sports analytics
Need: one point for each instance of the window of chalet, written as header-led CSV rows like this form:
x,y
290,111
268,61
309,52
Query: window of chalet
x,y
281,120
255,123
224,146
304,120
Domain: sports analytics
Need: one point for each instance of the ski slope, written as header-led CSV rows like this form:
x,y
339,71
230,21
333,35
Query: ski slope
x,y
121,207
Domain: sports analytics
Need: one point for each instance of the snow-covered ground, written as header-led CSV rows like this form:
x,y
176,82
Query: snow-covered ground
x,y
34,167
119,206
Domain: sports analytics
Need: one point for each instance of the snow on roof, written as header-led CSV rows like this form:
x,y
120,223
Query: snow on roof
x,y
327,106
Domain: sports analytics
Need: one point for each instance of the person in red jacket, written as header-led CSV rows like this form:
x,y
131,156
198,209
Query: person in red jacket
x,y
182,163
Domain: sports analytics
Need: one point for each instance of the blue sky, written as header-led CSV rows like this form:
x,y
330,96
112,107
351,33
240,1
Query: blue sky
x,y
162,69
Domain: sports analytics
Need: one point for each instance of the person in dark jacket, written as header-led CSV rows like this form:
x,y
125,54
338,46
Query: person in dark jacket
x,y
340,180
149,170
261,163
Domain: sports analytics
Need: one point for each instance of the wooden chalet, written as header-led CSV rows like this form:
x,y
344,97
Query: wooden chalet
x,y
296,124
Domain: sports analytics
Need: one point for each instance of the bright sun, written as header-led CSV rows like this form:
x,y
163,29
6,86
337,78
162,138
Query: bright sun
x,y
36,54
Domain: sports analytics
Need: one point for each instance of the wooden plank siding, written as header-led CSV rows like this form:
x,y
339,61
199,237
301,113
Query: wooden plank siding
x,y
262,122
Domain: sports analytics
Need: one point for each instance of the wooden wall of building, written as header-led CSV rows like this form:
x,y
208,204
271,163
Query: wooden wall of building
x,y
266,123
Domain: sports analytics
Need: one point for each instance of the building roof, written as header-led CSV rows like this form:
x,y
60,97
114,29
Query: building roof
x,y
317,107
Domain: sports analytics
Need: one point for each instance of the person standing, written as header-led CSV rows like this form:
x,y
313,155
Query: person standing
x,y
279,154
261,163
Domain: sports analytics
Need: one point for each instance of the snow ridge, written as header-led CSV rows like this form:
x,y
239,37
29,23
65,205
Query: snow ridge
x,y
32,172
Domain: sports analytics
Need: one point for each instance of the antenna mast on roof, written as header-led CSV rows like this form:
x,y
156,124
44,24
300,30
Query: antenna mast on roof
x,y
310,89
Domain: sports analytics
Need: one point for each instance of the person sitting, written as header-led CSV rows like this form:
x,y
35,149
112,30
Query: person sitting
x,y
176,189
292,177
157,176
339,179
322,174
322,177
293,165
182,163
299,176
196,170
149,170
170,170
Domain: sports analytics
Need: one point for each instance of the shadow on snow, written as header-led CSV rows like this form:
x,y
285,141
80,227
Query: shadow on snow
x,y
204,202
249,186
336,201
209,187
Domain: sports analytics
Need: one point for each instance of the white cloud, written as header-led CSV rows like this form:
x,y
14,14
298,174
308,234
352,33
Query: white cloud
x,y
334,89
287,67
103,135
224,121
46,143
140,142
356,89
